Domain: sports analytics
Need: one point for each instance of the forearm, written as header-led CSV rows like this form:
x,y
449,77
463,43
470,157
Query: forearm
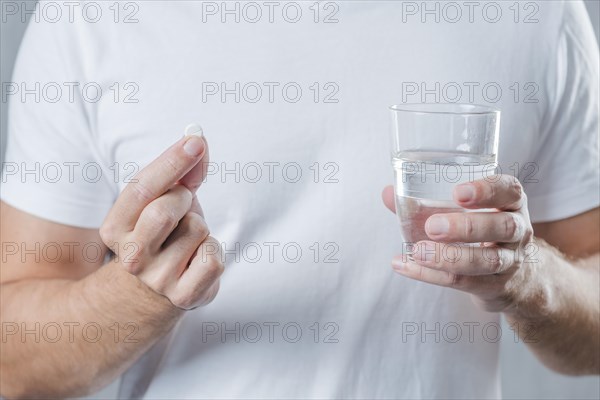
x,y
65,354
557,310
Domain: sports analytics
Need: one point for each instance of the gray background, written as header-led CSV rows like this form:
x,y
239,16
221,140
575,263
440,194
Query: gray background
x,y
523,377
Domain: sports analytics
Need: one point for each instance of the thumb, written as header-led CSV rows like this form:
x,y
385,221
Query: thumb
x,y
388,198
194,178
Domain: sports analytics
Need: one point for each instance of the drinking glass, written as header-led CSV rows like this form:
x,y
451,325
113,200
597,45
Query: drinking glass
x,y
435,148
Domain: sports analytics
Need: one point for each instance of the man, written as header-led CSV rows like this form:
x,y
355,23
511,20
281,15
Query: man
x,y
293,99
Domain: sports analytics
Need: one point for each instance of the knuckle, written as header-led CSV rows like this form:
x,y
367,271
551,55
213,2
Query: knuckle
x,y
527,234
210,249
469,226
157,283
509,225
183,299
131,251
161,216
495,263
214,268
133,266
188,300
195,223
107,233
515,186
184,192
141,193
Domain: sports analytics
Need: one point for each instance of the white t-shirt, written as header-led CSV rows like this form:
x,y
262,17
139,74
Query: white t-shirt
x,y
293,100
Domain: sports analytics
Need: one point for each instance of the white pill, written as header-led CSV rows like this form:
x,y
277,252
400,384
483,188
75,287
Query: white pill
x,y
194,129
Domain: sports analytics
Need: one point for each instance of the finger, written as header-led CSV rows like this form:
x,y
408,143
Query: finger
x,y
476,227
389,198
194,178
177,252
161,216
196,285
464,260
155,179
503,192
196,207
404,266
181,245
465,283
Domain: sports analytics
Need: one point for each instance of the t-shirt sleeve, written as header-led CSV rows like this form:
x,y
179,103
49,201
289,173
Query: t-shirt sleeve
x,y
53,167
566,182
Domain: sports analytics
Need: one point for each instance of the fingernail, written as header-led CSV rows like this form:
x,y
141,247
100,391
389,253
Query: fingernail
x,y
425,251
436,225
194,129
194,146
464,192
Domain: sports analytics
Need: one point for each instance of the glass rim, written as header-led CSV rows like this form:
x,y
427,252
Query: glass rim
x,y
450,108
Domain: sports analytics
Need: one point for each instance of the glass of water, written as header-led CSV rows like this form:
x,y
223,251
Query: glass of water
x,y
435,148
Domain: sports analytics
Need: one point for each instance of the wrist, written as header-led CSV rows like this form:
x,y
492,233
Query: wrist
x,y
116,295
534,289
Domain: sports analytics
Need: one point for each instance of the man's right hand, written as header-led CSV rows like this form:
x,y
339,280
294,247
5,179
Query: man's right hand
x,y
157,230
165,262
